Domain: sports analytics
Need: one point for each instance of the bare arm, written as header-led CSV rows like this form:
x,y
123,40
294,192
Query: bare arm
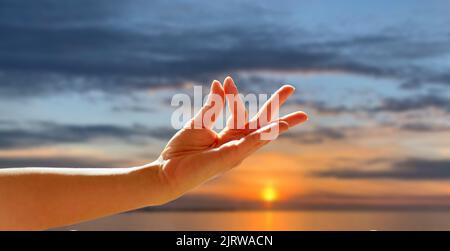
x,y
40,198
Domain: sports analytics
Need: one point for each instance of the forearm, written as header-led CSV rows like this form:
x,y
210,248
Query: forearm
x,y
40,198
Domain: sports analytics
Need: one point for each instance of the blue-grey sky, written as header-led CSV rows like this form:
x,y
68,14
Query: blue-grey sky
x,y
81,81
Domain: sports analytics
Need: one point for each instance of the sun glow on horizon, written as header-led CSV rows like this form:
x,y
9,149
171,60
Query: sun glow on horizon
x,y
269,194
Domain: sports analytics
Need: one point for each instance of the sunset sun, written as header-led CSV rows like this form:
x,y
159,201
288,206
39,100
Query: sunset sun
x,y
269,194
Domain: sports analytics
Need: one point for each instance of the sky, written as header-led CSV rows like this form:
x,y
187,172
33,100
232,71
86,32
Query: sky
x,y
88,84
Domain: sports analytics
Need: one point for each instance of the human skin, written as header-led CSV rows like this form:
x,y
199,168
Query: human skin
x,y
37,198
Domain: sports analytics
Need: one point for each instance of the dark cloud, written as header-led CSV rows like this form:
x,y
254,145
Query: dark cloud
x,y
133,108
386,104
52,46
419,78
414,103
410,169
8,123
316,136
61,162
323,107
424,127
46,133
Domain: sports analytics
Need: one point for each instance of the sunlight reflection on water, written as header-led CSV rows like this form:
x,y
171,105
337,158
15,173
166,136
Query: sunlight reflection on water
x,y
271,220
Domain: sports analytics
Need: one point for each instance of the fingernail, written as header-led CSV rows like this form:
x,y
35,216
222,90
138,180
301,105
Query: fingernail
x,y
232,83
215,84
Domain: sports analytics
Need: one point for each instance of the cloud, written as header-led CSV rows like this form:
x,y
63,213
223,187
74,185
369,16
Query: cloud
x,y
424,127
414,103
133,108
401,104
323,107
48,133
316,136
409,169
8,162
103,45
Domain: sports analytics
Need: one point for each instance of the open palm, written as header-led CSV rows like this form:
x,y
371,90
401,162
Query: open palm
x,y
194,155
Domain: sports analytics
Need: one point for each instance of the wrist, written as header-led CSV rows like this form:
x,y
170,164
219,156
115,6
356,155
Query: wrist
x,y
158,188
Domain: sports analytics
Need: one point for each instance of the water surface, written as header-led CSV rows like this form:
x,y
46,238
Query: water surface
x,y
271,220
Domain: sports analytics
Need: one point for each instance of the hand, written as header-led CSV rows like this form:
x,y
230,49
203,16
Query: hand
x,y
193,156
